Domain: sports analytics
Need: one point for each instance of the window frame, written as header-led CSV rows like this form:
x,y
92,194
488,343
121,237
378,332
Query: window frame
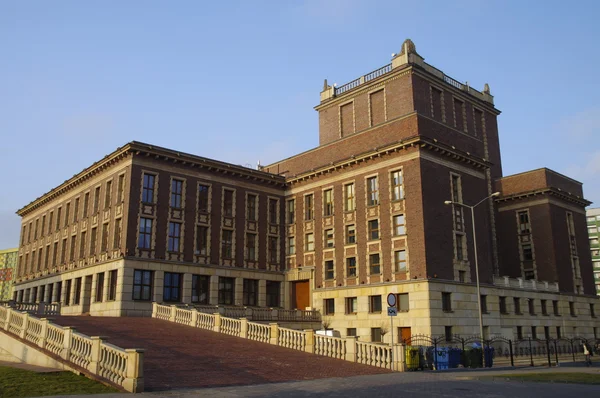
x,y
143,284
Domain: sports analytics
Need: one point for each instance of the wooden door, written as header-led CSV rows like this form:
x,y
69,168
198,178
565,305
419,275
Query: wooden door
x,y
301,295
404,334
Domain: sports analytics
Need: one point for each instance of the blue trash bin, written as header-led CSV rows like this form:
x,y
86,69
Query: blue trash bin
x,y
489,356
442,357
454,356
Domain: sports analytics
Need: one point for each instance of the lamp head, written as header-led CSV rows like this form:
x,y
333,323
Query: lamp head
x,y
447,202
495,194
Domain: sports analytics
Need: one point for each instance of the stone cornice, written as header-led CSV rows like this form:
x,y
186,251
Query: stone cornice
x,y
551,191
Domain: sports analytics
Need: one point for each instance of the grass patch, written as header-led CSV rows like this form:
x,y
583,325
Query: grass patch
x,y
24,383
576,378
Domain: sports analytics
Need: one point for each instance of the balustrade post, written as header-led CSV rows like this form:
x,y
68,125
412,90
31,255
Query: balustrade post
x,y
244,328
66,351
9,312
43,333
217,327
134,377
194,320
221,310
173,313
274,334
350,348
41,308
399,363
274,314
249,313
94,365
298,315
309,345
154,309
23,331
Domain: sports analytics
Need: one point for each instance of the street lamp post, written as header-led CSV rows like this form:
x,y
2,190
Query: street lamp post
x,y
449,202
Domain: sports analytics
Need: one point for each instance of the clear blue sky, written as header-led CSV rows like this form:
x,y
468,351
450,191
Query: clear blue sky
x,y
237,81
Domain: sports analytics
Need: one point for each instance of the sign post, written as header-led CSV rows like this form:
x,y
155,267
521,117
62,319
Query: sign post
x,y
392,312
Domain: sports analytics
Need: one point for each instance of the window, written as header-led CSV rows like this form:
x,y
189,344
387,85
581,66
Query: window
x,y
527,252
351,305
592,311
226,291
328,202
172,287
523,217
372,191
120,188
273,205
77,297
112,285
54,254
484,308
399,228
104,241
374,304
462,275
531,305
310,242
100,287
572,308
558,335
227,244
174,237
50,223
533,332
460,245
397,185
448,333
96,200
546,332
251,247
350,234
374,264
67,213
373,229
517,303
68,292
291,211
329,269
459,115
86,205
273,243
43,228
142,284
376,335
402,302
200,289
250,292
228,203
308,207
63,253
117,234
555,307
329,306
203,198
75,211
456,191
107,194
176,193
329,241
251,208
351,267
349,197
273,289
145,237
71,250
544,307
201,240
447,302
400,261
58,292
351,332
58,214
519,332
291,245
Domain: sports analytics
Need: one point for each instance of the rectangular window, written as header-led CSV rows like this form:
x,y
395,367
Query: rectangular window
x,y
250,292
86,204
350,234
291,245
374,264
329,240
558,334
112,284
50,223
63,252
142,284
402,302
527,252
448,333
483,299
531,305
43,228
351,267
58,292
351,305
397,185
226,291
592,310
544,307
107,194
228,203
172,287
39,263
58,217
176,193
104,242
174,237
372,191
72,249
291,211
68,286
555,307
349,197
203,198
100,287
67,214
399,228
145,237
148,188
546,332
460,247
523,217
273,243
227,244
328,202
96,200
329,269
572,308
458,115
36,229
376,335
350,332
375,304
120,188
519,332
77,296
201,240
47,257
517,303
200,289
251,208
400,261
273,204
251,247
117,234
329,306
54,255
456,190
308,207
76,210
533,332
373,229
273,290
309,242
447,302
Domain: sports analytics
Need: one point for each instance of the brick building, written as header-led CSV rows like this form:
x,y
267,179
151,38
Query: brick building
x,y
593,224
335,228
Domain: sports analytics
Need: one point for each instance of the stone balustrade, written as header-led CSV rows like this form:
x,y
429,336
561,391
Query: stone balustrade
x,y
529,284
347,348
257,313
123,368
39,309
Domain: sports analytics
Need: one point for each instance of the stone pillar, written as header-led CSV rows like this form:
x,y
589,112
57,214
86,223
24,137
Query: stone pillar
x,y
124,284
274,334
159,278
309,346
238,298
186,295
47,292
217,327
86,295
350,348
214,290
55,298
262,293
105,287
40,294
134,376
398,358
244,328
74,290
284,295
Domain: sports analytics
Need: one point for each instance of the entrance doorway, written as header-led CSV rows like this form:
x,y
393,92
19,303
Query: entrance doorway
x,y
300,295
87,295
403,334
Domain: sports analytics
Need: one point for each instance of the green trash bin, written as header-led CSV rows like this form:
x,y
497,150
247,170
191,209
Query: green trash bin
x,y
473,358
